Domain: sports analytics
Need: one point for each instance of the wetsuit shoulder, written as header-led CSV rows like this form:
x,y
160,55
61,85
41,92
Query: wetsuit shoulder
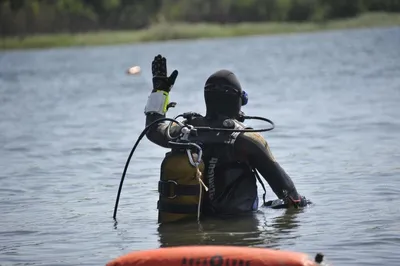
x,y
254,147
253,144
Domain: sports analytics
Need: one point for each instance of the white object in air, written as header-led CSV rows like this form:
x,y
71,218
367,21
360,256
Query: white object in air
x,y
134,70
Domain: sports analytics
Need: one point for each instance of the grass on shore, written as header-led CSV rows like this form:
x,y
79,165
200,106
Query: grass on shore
x,y
165,32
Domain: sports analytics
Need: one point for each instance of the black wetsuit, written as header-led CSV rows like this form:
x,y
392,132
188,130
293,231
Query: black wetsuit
x,y
230,160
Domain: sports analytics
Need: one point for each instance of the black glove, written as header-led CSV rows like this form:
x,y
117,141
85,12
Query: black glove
x,y
160,79
287,203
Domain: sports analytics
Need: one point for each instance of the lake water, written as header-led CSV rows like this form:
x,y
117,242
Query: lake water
x,y
69,118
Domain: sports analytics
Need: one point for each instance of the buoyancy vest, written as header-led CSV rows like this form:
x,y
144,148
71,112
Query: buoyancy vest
x,y
230,178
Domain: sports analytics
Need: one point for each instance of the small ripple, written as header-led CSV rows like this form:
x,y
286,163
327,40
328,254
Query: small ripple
x,y
17,233
17,149
12,191
90,150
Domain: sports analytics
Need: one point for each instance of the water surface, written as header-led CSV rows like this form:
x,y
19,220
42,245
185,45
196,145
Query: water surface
x,y
69,118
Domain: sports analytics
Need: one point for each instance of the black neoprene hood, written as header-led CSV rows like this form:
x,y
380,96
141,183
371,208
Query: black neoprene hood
x,y
222,94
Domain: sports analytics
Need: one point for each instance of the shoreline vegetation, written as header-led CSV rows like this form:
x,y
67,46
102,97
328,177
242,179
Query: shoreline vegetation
x,y
191,31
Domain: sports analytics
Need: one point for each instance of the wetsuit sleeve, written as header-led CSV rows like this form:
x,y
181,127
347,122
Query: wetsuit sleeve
x,y
158,132
256,150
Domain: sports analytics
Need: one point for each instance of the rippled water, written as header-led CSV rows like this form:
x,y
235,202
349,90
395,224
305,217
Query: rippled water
x,y
69,117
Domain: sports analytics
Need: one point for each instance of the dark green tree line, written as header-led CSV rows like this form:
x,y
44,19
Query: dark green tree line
x,y
26,17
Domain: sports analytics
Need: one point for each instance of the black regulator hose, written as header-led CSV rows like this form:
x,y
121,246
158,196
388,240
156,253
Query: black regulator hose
x,y
241,130
228,124
130,156
262,119
196,128
242,118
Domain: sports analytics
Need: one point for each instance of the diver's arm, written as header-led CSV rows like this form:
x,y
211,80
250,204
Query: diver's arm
x,y
158,132
255,148
158,102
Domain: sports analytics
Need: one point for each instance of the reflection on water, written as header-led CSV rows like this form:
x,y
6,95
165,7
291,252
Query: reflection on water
x,y
252,230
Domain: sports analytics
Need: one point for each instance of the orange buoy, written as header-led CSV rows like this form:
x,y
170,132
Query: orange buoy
x,y
214,256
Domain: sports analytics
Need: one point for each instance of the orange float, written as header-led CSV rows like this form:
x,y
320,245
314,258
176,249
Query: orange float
x,y
215,256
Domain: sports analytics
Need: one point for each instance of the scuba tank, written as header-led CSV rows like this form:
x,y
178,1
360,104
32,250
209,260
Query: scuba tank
x,y
181,180
179,187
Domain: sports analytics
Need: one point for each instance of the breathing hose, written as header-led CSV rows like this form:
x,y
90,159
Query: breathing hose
x,y
130,156
241,130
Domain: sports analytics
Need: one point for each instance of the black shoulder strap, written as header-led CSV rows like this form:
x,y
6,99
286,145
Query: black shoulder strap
x,y
262,184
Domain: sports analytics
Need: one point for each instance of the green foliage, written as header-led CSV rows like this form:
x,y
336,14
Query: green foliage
x,y
166,31
27,17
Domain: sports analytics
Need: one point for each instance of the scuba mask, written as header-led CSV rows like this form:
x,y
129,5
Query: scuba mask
x,y
229,90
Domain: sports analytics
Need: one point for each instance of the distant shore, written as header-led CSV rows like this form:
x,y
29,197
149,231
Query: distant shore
x,y
164,32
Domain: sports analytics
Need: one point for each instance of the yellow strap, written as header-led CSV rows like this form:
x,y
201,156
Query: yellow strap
x,y
166,102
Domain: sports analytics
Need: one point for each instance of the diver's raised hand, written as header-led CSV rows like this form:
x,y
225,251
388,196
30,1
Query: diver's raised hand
x,y
161,82
158,101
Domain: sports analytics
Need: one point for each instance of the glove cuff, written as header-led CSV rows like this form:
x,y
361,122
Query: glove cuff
x,y
157,102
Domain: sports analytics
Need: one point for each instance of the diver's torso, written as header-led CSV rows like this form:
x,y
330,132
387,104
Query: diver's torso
x,y
231,182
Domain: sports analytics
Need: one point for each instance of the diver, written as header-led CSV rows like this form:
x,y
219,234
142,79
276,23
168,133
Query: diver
x,y
231,160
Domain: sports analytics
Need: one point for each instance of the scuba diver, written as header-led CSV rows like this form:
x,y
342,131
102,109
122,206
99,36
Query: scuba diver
x,y
230,159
